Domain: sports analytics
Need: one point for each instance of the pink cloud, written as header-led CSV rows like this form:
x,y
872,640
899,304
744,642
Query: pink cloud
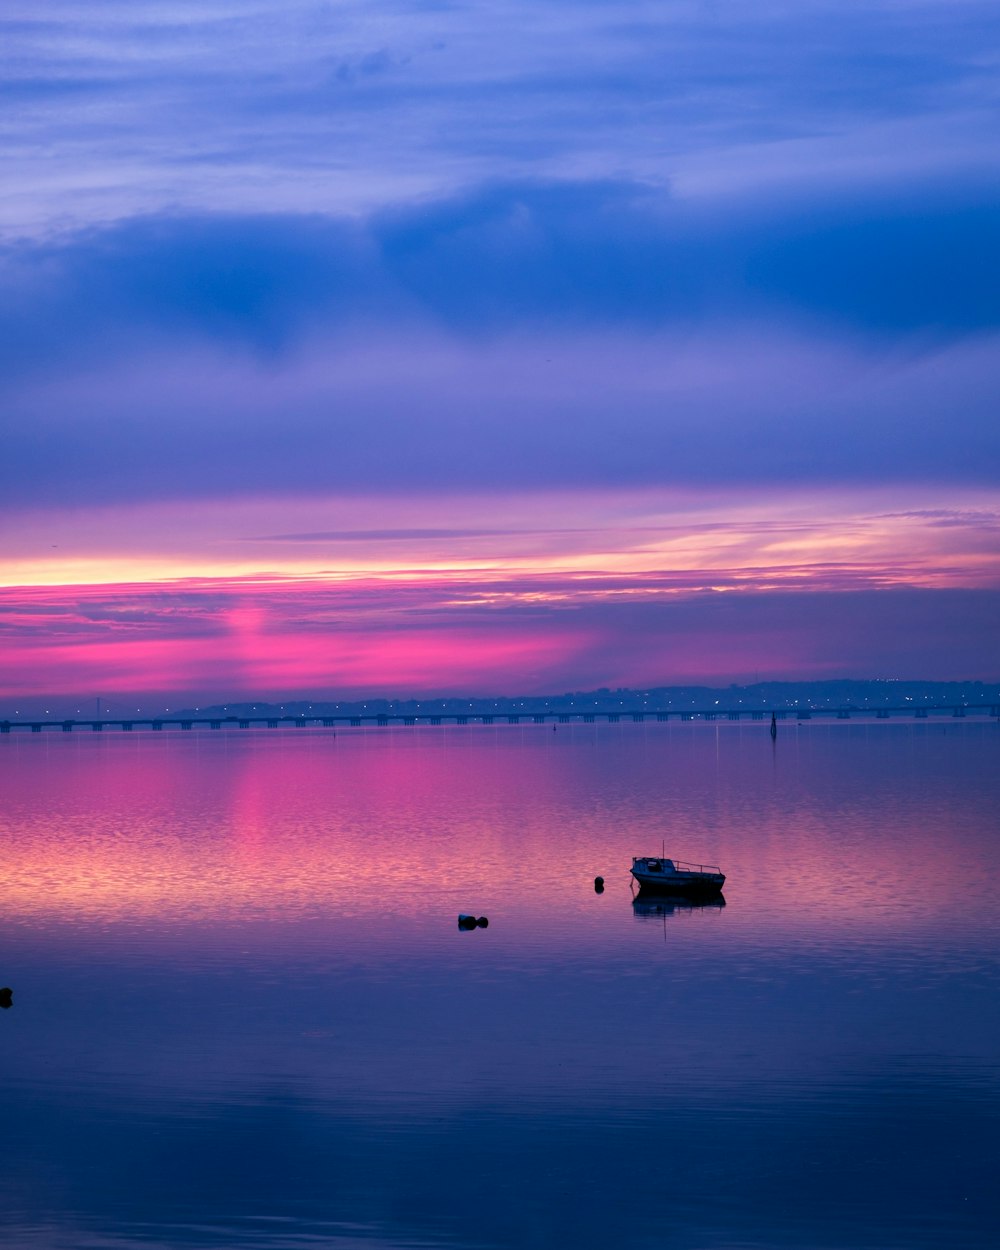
x,y
506,594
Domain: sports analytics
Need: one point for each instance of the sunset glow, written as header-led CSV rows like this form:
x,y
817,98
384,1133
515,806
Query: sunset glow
x,y
559,403
180,600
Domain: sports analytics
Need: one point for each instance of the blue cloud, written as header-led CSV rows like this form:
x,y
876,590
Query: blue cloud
x,y
571,255
842,342
236,278
615,253
919,264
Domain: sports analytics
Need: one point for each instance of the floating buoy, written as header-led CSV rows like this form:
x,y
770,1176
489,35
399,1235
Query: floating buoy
x,y
6,997
483,922
466,922
598,885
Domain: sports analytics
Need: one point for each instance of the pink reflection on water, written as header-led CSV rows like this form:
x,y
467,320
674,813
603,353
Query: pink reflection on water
x,y
833,830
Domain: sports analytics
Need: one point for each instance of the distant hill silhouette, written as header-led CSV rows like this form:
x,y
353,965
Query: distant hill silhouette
x,y
765,696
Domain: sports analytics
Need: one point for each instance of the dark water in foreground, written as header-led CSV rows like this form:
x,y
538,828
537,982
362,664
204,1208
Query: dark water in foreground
x,y
244,1015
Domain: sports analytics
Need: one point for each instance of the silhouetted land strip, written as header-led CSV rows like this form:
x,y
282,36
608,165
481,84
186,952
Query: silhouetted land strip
x,y
841,699
383,719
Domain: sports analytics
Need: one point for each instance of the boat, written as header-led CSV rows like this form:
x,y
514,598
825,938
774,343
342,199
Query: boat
x,y
659,875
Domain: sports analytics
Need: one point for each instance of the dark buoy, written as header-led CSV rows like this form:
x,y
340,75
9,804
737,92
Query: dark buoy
x,y
598,885
6,997
483,922
774,725
466,922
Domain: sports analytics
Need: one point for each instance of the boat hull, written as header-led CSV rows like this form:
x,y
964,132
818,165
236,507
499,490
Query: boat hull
x,y
682,884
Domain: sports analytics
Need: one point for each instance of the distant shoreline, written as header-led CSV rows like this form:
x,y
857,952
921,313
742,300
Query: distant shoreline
x,y
787,700
814,696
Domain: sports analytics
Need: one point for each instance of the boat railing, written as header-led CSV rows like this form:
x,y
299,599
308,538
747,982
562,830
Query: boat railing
x,y
680,865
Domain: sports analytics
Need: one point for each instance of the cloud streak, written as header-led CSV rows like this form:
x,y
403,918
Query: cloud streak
x,y
824,539
229,641
353,106
639,598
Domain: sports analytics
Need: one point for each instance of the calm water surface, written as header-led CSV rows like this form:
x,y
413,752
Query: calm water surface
x,y
244,1015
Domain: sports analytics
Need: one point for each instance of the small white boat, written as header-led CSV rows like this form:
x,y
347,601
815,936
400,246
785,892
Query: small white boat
x,y
673,876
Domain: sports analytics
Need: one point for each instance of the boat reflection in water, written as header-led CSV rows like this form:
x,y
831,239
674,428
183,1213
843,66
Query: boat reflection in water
x,y
646,907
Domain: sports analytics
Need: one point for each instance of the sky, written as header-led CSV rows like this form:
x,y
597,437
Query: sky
x,y
429,347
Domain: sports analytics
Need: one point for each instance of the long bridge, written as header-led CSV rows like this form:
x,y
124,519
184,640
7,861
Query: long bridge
x,y
383,719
